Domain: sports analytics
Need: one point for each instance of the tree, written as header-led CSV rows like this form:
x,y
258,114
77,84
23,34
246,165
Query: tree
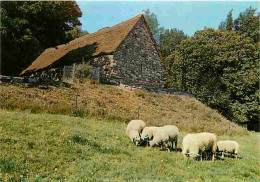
x,y
169,39
76,32
151,19
222,26
229,21
220,69
27,28
248,23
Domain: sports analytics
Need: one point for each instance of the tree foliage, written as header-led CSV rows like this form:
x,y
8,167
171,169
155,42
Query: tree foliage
x,y
229,21
248,23
222,25
169,39
151,19
220,68
27,28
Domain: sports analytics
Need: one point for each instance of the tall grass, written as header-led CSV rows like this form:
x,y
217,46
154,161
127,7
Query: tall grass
x,y
90,99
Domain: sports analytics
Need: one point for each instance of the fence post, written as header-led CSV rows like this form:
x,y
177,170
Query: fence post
x,y
76,101
63,73
193,119
73,72
138,116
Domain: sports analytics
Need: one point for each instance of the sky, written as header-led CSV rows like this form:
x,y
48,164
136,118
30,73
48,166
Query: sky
x,y
188,16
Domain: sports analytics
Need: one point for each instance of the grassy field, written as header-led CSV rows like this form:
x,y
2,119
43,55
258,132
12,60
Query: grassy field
x,y
108,102
45,147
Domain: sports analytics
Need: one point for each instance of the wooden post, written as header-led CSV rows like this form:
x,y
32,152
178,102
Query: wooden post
x,y
73,72
193,119
76,101
245,126
63,73
138,113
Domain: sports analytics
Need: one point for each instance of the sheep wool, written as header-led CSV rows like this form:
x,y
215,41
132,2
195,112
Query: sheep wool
x,y
160,138
138,125
134,128
228,146
173,132
195,144
148,132
134,135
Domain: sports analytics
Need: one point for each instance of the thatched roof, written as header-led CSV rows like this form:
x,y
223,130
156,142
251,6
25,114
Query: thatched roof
x,y
107,40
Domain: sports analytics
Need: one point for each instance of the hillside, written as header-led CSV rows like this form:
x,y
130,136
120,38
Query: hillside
x,y
44,147
90,99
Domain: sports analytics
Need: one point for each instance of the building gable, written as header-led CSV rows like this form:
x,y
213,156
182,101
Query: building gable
x,y
104,41
138,60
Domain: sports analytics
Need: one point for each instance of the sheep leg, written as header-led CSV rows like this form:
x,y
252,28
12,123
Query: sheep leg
x,y
167,146
176,148
136,142
213,157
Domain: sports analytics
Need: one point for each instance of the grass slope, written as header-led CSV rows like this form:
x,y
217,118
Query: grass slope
x,y
103,101
44,147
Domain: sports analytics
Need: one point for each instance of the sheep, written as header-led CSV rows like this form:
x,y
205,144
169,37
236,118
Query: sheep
x,y
160,138
228,146
148,133
134,136
195,144
133,130
172,131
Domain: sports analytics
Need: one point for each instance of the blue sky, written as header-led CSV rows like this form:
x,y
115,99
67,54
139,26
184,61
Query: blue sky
x,y
188,16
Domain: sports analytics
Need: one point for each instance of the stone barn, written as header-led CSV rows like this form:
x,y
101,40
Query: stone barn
x,y
123,54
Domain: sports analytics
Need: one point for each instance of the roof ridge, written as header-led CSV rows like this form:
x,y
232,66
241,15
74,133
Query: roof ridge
x,y
107,39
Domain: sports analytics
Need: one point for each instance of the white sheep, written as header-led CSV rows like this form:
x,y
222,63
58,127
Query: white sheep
x,y
160,138
134,128
147,134
134,136
173,132
196,144
228,146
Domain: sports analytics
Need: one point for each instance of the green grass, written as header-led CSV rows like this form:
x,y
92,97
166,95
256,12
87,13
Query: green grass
x,y
44,147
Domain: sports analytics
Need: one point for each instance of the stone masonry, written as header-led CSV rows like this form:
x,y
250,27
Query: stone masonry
x,y
135,62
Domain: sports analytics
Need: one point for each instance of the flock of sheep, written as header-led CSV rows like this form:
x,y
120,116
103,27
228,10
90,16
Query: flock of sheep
x,y
199,146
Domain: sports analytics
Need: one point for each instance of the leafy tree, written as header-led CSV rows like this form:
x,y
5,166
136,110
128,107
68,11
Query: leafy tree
x,y
76,32
248,23
169,39
27,28
151,19
222,26
229,21
220,69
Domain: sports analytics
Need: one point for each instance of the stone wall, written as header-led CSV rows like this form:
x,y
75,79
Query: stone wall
x,y
49,76
137,61
106,65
